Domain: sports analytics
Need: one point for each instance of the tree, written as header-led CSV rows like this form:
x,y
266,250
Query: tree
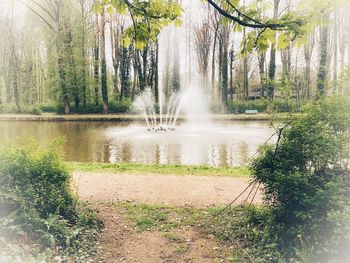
x,y
272,65
149,17
202,41
323,56
104,87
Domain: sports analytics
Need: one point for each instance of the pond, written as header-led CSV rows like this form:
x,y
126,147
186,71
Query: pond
x,y
228,143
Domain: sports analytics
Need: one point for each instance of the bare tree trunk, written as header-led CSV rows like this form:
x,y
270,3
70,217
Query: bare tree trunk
x,y
104,88
213,67
245,74
272,66
156,73
83,53
225,67
335,58
61,69
262,60
96,64
323,59
232,59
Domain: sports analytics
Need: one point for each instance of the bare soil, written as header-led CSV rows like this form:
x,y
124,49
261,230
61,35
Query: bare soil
x,y
120,242
174,190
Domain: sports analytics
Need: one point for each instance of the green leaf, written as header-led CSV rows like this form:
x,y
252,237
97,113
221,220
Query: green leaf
x,y
97,8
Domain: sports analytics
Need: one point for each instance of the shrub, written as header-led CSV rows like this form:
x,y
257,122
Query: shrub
x,y
48,107
8,108
307,182
35,196
242,106
263,105
114,107
28,109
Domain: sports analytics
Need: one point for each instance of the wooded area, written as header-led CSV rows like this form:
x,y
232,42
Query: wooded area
x,y
88,56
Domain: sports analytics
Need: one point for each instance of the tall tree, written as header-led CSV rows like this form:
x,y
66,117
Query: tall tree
x,y
104,87
272,64
323,55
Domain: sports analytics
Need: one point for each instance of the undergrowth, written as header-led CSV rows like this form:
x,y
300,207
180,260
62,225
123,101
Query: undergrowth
x,y
37,205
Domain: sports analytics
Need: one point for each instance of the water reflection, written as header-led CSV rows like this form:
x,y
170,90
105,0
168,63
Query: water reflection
x,y
222,144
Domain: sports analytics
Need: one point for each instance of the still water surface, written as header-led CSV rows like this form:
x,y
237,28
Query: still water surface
x,y
224,143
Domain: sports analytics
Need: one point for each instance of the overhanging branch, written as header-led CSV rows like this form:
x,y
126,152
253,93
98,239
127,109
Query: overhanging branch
x,y
256,24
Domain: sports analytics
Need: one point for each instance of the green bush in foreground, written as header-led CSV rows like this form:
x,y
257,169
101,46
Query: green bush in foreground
x,y
307,183
36,200
306,179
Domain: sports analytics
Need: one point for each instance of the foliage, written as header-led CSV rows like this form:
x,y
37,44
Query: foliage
x,y
263,105
27,109
37,109
250,230
36,200
149,17
307,182
114,107
344,82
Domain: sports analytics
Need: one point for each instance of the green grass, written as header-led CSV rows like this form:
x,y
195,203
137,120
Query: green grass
x,y
160,169
162,218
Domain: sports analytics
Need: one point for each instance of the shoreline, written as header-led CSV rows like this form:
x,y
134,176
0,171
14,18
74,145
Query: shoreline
x,y
127,117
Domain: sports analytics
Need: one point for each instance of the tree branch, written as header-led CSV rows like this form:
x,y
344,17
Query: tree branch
x,y
241,14
40,16
143,12
273,26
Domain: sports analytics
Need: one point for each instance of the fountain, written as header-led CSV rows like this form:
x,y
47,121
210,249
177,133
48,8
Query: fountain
x,y
145,104
191,103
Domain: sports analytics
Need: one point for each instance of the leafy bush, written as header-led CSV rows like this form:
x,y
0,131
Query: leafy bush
x,y
114,107
8,108
35,197
48,107
12,108
252,232
307,182
263,105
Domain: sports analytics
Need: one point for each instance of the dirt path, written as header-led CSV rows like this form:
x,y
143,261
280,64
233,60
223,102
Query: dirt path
x,y
121,241
173,190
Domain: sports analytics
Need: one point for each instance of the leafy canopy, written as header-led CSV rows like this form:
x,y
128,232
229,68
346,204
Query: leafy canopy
x,y
293,26
148,17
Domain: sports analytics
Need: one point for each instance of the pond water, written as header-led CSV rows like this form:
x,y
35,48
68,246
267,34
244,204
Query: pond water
x,y
228,143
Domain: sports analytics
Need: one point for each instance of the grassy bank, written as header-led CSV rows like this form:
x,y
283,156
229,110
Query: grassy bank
x,y
132,117
136,168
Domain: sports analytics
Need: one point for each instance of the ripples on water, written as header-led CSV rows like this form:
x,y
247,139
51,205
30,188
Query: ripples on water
x,y
220,144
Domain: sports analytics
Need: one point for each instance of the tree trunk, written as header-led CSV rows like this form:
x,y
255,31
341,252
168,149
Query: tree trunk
x,y
323,60
61,70
96,64
225,68
272,66
104,88
156,73
335,59
262,60
213,67
83,72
